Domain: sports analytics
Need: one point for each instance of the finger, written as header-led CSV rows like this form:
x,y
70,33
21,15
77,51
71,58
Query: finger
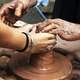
x,y
4,9
49,42
33,30
47,47
2,18
49,27
52,37
72,37
64,36
58,21
18,10
50,47
2,15
42,25
3,12
54,31
12,5
48,36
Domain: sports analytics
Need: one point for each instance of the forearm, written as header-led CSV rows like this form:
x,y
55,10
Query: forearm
x,y
11,37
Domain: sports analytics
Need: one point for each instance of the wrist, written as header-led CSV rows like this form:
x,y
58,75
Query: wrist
x,y
28,43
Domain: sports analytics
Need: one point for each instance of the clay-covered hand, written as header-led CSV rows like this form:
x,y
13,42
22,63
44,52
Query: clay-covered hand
x,y
23,26
41,42
12,11
66,30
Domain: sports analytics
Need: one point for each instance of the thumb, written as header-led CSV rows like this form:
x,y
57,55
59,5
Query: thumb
x,y
18,10
72,37
68,37
34,30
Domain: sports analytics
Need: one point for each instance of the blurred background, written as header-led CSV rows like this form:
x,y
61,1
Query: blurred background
x,y
46,10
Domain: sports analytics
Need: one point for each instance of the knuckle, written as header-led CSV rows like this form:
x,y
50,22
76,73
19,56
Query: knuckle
x,y
48,20
58,19
4,6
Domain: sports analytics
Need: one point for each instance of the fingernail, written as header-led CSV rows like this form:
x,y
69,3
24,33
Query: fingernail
x,y
1,12
18,13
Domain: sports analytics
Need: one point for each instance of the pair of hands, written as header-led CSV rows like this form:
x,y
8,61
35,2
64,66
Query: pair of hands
x,y
66,30
12,11
41,42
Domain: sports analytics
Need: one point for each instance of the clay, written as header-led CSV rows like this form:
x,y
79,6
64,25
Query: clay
x,y
43,66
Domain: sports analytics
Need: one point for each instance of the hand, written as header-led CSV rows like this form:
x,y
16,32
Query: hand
x,y
41,42
24,27
66,30
12,11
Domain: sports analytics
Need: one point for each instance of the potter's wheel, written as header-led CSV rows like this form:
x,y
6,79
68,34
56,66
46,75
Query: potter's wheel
x,y
44,66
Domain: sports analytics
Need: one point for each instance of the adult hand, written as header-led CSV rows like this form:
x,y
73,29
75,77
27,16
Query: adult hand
x,y
66,30
41,42
12,11
24,27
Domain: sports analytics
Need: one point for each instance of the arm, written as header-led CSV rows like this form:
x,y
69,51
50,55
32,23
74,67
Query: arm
x,y
20,6
66,30
11,37
14,39
16,8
